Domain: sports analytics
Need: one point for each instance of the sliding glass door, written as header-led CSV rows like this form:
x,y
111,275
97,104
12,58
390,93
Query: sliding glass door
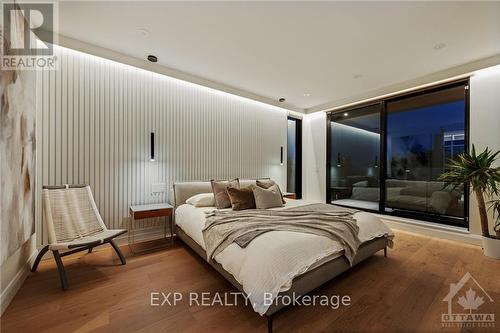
x,y
423,133
387,156
354,157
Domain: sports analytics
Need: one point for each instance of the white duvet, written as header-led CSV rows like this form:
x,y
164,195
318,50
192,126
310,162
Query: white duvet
x,y
272,260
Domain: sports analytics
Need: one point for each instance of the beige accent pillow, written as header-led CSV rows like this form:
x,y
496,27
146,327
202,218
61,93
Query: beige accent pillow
x,y
219,188
267,183
241,198
267,198
202,200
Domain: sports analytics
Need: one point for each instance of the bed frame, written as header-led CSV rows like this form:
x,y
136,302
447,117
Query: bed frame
x,y
301,284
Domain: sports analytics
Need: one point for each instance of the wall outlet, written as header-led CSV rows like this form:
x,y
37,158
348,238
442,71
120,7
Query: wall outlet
x,y
158,188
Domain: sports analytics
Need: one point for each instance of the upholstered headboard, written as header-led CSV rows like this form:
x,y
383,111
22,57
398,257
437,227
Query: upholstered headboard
x,y
185,190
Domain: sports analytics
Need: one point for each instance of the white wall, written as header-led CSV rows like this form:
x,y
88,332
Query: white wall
x,y
484,131
314,157
484,123
97,116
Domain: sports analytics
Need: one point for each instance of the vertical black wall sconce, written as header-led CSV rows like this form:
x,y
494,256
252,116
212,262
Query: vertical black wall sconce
x,y
338,161
152,149
376,161
281,155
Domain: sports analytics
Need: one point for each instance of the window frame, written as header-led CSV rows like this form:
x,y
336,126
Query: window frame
x,y
382,102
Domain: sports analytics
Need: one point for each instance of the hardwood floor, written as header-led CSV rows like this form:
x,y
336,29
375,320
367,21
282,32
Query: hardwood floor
x,y
401,293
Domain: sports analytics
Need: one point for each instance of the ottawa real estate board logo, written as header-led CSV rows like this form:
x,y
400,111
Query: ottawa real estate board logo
x,y
27,35
469,305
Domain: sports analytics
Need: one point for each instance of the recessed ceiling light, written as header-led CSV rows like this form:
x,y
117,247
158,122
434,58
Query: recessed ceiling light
x,y
346,114
282,99
152,58
143,32
439,46
357,76
307,95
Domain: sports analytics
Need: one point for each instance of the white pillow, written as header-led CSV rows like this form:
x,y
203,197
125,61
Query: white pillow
x,y
202,200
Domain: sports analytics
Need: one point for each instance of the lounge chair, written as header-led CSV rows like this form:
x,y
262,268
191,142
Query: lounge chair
x,y
73,224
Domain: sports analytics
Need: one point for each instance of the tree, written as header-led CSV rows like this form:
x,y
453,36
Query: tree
x,y
476,170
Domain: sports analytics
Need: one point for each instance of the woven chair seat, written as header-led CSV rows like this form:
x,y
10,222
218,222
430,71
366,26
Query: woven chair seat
x,y
96,240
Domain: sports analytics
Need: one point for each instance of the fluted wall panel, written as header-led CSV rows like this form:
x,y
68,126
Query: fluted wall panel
x,y
97,115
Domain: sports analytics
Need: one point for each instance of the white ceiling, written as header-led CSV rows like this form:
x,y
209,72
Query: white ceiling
x,y
291,49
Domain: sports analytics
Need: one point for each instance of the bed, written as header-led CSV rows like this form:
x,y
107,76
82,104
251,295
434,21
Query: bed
x,y
278,263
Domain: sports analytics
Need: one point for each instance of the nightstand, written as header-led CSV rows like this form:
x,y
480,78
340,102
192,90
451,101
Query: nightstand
x,y
140,212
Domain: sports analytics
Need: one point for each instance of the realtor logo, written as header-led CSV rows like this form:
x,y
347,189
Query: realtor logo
x,y
465,299
28,35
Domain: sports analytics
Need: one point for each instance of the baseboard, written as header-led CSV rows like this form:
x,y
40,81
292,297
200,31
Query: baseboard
x,y
432,229
16,283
